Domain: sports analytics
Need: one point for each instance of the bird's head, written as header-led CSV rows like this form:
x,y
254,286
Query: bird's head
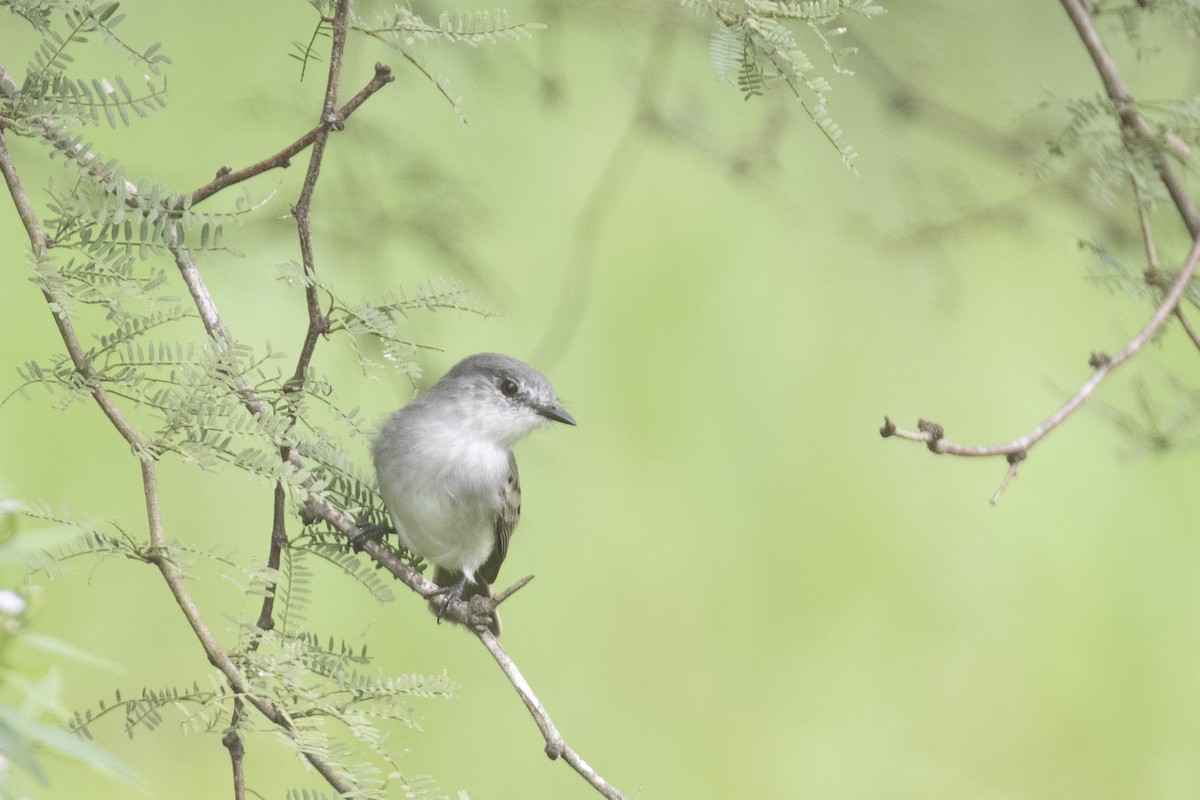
x,y
500,397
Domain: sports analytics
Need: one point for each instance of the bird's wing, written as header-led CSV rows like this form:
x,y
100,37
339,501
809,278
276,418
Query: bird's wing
x,y
506,523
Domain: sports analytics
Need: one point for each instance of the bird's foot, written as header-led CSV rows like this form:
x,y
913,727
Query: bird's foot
x,y
449,594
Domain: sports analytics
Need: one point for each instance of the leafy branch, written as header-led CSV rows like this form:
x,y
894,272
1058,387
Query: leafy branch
x,y
220,404
754,47
403,28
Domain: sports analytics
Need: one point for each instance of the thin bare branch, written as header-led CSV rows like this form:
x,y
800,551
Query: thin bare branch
x,y
226,177
556,747
1154,276
933,435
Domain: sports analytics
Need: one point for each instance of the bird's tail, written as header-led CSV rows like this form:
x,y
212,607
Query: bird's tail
x,y
449,577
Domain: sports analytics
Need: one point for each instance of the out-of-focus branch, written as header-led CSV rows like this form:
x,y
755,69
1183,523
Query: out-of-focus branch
x,y
1135,127
1137,135
1153,276
564,322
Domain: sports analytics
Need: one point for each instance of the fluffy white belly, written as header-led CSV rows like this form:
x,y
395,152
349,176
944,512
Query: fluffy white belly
x,y
447,513
447,534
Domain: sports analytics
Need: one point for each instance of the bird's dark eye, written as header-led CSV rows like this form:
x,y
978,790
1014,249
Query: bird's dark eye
x,y
508,387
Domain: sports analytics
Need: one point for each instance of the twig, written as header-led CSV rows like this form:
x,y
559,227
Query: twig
x,y
510,591
226,177
1153,275
556,747
933,435
1013,460
1147,233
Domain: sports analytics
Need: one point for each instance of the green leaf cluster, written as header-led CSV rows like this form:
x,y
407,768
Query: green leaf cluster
x,y
755,47
1089,131
402,29
48,90
403,26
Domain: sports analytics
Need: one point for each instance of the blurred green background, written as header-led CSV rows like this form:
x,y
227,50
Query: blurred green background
x,y
742,590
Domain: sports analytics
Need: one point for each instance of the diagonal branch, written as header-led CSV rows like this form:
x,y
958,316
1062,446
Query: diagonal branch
x,y
157,552
226,177
555,745
66,329
933,435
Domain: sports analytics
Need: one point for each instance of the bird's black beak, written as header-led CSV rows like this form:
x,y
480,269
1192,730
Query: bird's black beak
x,y
556,413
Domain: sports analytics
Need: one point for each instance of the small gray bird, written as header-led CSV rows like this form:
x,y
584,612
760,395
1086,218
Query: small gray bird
x,y
447,472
